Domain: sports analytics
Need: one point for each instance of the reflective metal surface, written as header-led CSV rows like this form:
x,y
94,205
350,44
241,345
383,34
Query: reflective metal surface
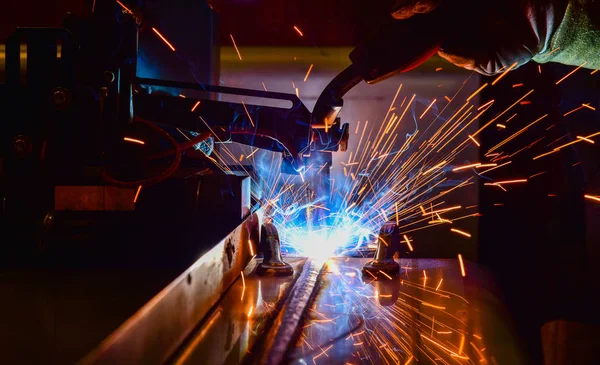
x,y
429,314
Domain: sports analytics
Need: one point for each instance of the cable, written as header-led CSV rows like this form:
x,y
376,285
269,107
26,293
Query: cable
x,y
177,151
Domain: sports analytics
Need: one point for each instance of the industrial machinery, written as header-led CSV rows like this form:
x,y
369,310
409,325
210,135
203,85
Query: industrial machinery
x,y
109,188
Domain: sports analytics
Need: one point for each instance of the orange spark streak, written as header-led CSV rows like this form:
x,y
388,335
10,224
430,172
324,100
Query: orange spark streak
x,y
573,111
501,114
384,274
510,181
123,6
586,139
308,72
570,73
591,197
164,39
474,141
439,284
588,106
444,210
264,86
195,105
298,31
461,232
243,279
409,360
137,193
518,85
477,91
501,126
462,344
235,46
486,165
426,110
545,154
434,167
447,98
408,243
251,247
504,73
250,311
133,140
462,266
593,72
486,104
247,113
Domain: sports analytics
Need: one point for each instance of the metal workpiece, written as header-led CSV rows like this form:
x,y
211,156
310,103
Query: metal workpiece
x,y
388,244
158,329
270,246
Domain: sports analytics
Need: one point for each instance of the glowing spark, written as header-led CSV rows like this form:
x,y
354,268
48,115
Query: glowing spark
x,y
250,311
182,96
243,280
426,110
591,197
438,69
593,72
298,95
573,111
462,266
384,274
545,154
570,73
444,210
308,72
517,85
586,139
235,46
588,106
408,243
504,73
133,140
447,98
486,104
124,7
241,157
501,126
247,113
486,165
474,141
251,247
439,284
466,167
195,105
137,193
511,181
298,31
539,68
433,306
477,91
164,39
264,86
461,232
434,167
501,114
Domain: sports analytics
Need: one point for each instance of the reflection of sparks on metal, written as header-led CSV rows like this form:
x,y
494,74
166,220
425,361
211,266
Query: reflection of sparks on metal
x,y
251,247
164,39
462,265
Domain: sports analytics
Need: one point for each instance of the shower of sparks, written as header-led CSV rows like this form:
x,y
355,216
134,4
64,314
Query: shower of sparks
x,y
163,39
133,140
298,31
236,47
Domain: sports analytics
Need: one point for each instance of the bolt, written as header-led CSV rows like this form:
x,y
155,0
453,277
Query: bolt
x,y
22,145
383,263
273,264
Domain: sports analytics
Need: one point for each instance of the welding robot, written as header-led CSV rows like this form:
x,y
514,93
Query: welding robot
x,y
111,165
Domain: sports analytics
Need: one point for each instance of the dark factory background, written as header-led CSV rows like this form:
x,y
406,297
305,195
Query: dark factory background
x,y
541,240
